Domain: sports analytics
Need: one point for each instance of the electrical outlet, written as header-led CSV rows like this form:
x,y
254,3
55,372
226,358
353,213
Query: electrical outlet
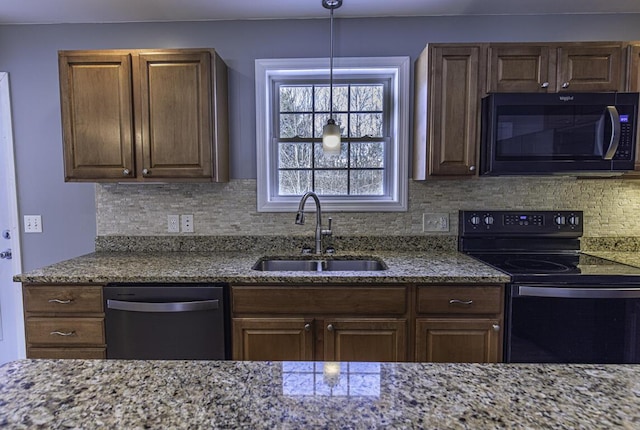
x,y
32,224
187,223
432,222
173,223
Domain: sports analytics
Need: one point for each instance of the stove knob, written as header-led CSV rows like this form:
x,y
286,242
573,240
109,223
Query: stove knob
x,y
574,220
475,220
488,220
560,220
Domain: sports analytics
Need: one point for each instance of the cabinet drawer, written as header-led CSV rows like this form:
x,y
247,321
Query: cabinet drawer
x,y
79,353
460,300
63,299
65,331
319,300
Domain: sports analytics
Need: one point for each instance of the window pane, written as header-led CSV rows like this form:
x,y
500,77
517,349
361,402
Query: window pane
x,y
321,121
367,154
367,182
340,98
338,161
294,155
295,99
366,97
292,125
366,124
294,182
331,182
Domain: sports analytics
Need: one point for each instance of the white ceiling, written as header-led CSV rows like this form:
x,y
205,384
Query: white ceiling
x,y
92,11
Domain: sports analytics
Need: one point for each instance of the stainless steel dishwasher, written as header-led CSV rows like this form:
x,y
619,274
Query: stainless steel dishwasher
x,y
167,321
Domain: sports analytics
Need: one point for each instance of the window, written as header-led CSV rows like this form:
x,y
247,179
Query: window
x,y
370,104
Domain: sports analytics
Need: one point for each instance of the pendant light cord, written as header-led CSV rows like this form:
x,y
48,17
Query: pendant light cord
x,y
331,70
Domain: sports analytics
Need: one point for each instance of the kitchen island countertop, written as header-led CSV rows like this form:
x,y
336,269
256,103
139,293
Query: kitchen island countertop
x,y
236,268
293,395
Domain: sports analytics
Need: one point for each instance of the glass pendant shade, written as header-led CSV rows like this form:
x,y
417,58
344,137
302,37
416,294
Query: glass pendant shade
x,y
331,138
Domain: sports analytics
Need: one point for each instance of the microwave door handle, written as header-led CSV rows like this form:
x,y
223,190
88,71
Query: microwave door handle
x,y
615,132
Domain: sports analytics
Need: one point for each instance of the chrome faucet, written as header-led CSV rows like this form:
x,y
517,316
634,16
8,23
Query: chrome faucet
x,y
319,231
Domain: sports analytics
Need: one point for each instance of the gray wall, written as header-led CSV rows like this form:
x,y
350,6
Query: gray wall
x,y
29,54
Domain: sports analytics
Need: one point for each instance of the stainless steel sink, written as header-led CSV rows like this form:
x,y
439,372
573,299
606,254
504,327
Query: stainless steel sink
x,y
347,264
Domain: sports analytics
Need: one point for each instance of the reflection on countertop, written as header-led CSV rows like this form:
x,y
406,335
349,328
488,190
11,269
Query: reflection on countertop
x,y
92,394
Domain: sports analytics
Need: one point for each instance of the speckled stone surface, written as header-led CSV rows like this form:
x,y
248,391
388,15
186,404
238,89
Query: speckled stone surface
x,y
619,244
91,394
236,267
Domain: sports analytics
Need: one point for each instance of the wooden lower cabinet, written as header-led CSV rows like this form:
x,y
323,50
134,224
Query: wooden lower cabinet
x,y
459,323
64,321
331,323
470,340
440,323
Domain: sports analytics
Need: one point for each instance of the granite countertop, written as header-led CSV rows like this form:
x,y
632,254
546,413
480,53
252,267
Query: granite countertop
x,y
91,394
437,266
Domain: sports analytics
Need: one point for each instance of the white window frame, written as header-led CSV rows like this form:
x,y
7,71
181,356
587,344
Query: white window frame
x,y
268,70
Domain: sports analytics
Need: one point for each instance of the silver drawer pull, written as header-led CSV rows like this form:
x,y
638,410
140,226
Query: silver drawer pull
x,y
460,302
61,333
62,302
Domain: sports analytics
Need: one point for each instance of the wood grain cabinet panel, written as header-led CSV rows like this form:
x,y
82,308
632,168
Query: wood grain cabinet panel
x,y
64,321
342,323
144,115
550,68
459,323
447,108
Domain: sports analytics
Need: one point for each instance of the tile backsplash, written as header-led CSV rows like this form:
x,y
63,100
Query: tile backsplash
x,y
611,207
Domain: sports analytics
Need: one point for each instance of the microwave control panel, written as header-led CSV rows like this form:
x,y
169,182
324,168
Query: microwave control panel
x,y
624,151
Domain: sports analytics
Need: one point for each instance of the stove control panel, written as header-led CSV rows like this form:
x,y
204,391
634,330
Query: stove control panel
x,y
520,223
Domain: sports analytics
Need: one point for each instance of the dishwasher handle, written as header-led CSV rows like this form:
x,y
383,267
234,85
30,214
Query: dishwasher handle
x,y
575,292
191,306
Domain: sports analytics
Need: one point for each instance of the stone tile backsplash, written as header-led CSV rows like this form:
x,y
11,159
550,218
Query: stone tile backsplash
x,y
611,207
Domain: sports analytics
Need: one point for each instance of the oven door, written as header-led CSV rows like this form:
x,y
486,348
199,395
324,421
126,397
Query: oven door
x,y
572,324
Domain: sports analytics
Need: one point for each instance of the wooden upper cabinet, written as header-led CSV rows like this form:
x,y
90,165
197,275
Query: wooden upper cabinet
x,y
447,104
97,115
520,68
590,67
634,68
137,115
569,67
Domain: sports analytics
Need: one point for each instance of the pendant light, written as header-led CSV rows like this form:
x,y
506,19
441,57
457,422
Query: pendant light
x,y
331,131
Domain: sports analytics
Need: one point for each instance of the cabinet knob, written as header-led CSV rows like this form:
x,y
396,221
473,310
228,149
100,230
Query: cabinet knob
x,y
472,168
544,85
146,172
495,327
126,172
330,327
565,85
307,327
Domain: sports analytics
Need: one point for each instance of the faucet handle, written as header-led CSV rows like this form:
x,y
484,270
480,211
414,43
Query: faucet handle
x,y
305,250
327,231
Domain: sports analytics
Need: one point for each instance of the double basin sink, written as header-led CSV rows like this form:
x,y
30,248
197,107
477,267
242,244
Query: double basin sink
x,y
329,264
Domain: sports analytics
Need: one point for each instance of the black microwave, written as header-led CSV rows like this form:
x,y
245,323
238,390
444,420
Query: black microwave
x,y
561,133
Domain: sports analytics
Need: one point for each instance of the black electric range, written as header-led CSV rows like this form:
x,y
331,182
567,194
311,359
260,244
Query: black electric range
x,y
561,306
538,246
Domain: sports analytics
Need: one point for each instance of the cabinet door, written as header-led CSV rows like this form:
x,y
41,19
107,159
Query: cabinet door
x,y
447,111
97,115
590,68
520,68
175,115
275,339
472,340
365,340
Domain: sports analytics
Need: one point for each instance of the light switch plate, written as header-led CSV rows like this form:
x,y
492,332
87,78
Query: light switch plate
x,y
32,224
435,222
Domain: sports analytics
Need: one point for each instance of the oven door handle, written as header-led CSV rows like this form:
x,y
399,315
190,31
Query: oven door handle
x,y
200,305
578,292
